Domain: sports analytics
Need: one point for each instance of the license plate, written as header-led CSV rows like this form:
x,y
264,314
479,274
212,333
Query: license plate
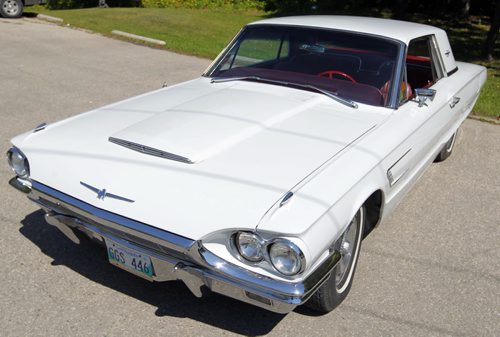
x,y
129,259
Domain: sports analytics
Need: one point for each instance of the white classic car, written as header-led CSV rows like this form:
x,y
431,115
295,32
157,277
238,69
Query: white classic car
x,y
259,179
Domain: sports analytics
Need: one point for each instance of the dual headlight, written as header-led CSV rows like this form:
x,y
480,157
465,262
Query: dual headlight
x,y
18,162
283,255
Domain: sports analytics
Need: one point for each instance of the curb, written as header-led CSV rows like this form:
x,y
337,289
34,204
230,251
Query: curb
x,y
138,37
491,120
49,18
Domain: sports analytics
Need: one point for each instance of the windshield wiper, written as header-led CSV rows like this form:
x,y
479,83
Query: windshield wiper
x,y
345,101
239,78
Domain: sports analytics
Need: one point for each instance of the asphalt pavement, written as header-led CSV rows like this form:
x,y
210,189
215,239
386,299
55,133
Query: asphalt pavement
x,y
432,269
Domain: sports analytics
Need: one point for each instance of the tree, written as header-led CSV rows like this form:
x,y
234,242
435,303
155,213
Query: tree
x,y
463,8
489,46
401,6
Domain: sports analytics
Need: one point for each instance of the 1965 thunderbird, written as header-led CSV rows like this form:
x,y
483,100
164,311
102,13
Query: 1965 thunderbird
x,y
259,179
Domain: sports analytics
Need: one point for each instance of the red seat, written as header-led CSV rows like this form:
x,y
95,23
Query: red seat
x,y
384,90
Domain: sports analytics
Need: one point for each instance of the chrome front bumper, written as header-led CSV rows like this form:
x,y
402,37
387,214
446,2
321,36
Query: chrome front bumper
x,y
175,257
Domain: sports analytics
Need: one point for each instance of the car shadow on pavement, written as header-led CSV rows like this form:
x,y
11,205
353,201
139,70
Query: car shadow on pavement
x,y
170,298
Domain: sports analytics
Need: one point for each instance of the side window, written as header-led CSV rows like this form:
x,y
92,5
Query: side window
x,y
422,67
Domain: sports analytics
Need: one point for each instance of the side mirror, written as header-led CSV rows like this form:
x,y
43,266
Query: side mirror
x,y
423,95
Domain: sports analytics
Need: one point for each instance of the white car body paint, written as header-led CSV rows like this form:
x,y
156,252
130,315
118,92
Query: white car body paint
x,y
250,144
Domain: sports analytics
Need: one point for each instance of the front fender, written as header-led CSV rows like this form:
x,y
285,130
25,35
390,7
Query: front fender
x,y
321,209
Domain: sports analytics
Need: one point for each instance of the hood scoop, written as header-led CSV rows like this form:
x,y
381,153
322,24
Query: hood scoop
x,y
149,150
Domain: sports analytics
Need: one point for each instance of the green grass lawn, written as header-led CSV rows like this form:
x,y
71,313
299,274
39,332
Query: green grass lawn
x,y
189,31
205,33
488,103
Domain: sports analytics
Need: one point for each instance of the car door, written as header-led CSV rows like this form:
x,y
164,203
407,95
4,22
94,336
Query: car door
x,y
419,127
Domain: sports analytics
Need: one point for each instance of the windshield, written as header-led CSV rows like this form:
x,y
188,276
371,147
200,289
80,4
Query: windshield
x,y
353,66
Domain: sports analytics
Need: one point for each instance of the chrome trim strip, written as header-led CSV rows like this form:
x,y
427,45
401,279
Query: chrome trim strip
x,y
149,150
219,59
437,57
117,222
398,77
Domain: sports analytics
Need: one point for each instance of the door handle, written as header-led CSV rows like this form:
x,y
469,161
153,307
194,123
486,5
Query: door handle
x,y
454,101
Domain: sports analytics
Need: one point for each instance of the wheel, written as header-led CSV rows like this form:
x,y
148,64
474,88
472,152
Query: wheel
x,y
330,73
336,288
447,149
11,8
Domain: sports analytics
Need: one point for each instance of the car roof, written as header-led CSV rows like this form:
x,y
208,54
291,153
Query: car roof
x,y
399,30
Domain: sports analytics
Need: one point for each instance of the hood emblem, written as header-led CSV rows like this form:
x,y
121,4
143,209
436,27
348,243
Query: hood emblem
x,y
101,194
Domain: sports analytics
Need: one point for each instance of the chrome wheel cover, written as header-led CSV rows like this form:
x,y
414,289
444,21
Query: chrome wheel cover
x,y
10,7
349,247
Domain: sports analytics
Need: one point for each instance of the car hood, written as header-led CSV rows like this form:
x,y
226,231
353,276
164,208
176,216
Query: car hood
x,y
197,157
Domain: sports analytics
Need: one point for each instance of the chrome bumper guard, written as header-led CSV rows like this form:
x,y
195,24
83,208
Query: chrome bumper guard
x,y
175,257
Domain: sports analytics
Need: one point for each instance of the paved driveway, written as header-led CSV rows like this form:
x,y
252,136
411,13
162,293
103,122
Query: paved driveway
x,y
433,269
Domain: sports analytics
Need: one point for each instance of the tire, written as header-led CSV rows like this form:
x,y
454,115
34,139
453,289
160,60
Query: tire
x,y
11,8
338,285
447,149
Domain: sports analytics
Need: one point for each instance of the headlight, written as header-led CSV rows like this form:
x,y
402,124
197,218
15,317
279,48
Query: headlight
x,y
286,257
18,162
249,246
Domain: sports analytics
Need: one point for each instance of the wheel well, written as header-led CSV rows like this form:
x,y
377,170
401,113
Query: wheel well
x,y
373,207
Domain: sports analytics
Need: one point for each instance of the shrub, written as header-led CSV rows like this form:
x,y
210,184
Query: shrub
x,y
319,6
289,6
64,4
210,4
69,4
123,3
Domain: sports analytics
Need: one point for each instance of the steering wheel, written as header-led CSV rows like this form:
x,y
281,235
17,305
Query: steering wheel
x,y
330,73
